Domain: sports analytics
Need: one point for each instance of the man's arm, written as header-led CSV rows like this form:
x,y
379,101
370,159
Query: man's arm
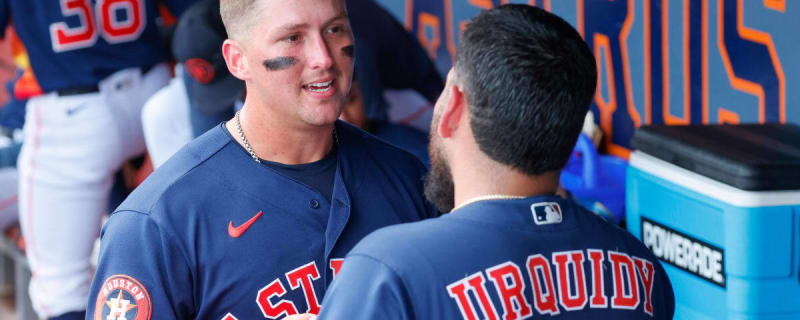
x,y
366,289
140,272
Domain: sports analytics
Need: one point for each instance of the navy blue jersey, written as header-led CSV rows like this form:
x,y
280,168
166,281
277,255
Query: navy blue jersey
x,y
502,259
212,234
74,43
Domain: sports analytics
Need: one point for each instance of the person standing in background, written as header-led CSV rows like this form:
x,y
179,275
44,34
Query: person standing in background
x,y
509,248
96,63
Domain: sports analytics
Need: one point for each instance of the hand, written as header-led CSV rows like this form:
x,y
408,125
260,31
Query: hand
x,y
305,316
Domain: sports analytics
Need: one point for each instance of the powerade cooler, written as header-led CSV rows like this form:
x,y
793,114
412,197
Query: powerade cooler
x,y
720,206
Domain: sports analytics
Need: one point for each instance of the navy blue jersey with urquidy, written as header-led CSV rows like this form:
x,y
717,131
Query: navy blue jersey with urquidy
x,y
502,259
214,235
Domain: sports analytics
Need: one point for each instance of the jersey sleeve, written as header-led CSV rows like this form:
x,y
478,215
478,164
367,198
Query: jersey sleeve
x,y
366,289
141,272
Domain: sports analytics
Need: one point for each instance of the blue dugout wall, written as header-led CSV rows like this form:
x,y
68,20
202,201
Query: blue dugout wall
x,y
659,61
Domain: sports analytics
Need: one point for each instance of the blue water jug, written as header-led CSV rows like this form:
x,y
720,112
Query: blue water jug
x,y
596,181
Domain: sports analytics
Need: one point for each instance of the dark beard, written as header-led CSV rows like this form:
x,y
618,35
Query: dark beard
x,y
439,187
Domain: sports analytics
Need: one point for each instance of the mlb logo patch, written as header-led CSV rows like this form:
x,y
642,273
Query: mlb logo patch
x,y
546,213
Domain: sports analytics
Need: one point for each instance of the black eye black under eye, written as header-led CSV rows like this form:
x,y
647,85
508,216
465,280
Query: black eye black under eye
x,y
279,63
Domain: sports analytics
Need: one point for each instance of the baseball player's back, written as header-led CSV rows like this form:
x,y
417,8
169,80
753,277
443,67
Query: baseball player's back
x,y
88,40
502,259
213,234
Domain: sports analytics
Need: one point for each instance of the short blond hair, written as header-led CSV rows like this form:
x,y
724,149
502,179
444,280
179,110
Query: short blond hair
x,y
238,16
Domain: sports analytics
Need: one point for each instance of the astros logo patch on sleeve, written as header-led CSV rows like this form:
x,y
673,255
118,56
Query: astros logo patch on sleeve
x,y
546,213
122,298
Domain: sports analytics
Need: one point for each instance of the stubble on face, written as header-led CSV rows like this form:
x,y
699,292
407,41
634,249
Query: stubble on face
x,y
439,187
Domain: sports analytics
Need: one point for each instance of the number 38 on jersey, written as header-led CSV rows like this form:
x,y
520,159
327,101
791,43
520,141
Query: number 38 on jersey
x,y
116,21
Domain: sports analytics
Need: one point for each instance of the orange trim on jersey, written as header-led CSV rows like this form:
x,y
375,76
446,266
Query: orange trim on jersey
x,y
626,65
777,5
753,36
725,116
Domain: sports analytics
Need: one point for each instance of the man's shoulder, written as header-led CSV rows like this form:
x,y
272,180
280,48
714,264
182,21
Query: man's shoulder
x,y
182,176
598,233
399,243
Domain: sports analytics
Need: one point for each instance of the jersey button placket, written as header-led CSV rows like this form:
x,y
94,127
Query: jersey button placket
x,y
314,204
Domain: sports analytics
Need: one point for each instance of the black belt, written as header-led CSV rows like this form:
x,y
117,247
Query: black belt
x,y
92,88
71,91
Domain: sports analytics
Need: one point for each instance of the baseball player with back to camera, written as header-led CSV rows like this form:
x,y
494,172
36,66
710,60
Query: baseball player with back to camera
x,y
503,129
96,62
252,219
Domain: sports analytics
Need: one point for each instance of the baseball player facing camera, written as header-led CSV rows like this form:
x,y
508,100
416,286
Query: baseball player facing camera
x,y
252,219
97,62
503,129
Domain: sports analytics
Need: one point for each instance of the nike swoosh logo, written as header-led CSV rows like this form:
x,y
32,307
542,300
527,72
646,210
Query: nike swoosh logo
x,y
73,110
236,232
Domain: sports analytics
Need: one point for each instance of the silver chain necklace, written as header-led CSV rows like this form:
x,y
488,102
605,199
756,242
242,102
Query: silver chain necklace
x,y
247,145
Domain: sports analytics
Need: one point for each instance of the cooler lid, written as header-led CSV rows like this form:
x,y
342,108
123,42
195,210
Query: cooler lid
x,y
755,157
